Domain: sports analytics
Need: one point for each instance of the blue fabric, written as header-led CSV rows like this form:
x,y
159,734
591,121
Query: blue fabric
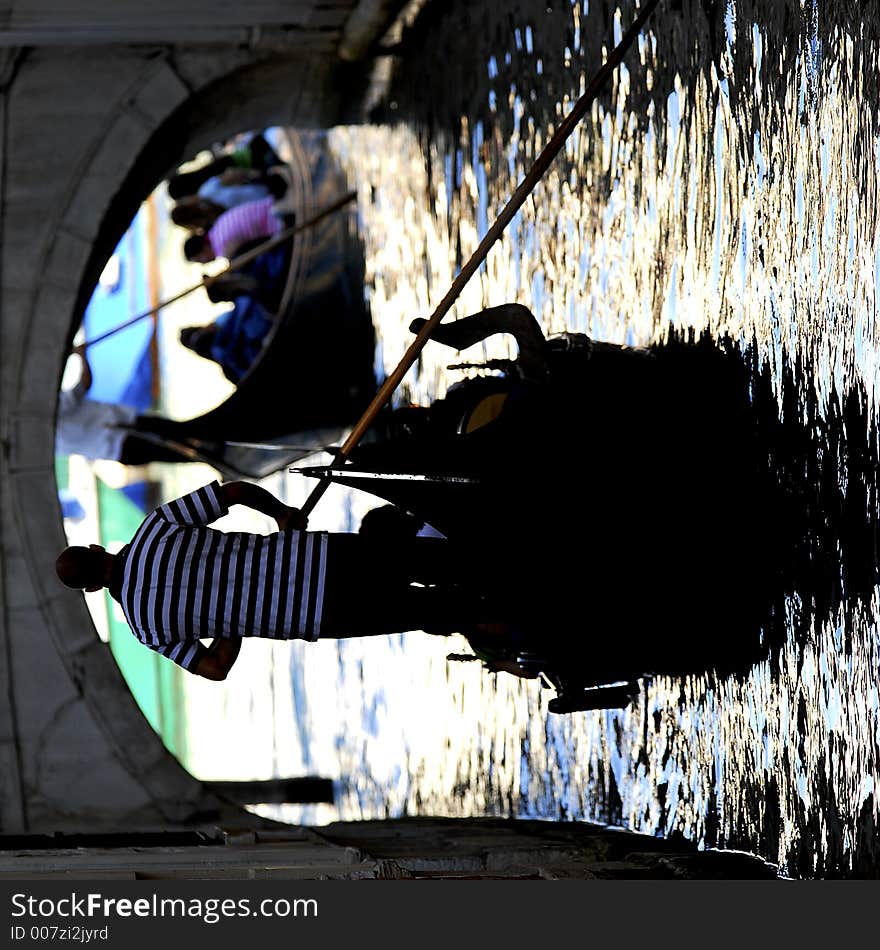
x,y
270,270
270,267
70,505
138,391
239,336
231,196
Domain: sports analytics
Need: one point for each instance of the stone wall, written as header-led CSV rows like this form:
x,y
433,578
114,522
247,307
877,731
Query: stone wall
x,y
401,849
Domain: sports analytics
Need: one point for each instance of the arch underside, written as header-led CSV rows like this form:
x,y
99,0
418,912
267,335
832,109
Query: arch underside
x,y
87,133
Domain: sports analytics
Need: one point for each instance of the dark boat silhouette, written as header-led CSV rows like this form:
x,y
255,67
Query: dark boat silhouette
x,y
643,512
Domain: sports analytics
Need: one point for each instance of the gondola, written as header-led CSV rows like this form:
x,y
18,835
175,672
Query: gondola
x,y
315,373
627,507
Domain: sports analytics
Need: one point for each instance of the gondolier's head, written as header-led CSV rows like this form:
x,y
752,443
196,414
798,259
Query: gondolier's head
x,y
196,248
83,568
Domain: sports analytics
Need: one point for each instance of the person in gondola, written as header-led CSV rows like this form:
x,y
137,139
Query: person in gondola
x,y
101,430
237,229
264,279
239,186
252,159
195,213
235,338
198,212
180,581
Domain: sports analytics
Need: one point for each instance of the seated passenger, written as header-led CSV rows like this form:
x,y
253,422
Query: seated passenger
x,y
195,213
264,278
199,212
237,186
256,154
234,340
248,224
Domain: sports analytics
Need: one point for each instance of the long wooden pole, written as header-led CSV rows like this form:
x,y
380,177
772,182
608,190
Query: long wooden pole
x,y
234,264
519,196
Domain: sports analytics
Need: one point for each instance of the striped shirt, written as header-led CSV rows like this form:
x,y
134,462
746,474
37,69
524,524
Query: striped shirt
x,y
250,221
183,581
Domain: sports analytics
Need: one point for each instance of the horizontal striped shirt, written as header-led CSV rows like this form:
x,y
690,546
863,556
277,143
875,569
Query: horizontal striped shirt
x,y
246,222
183,581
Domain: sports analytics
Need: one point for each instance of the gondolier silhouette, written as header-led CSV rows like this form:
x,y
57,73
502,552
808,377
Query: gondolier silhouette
x,y
180,581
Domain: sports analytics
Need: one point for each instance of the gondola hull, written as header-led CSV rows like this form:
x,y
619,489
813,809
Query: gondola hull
x,y
619,509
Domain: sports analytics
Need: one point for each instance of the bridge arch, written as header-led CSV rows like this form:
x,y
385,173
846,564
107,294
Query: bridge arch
x,y
87,132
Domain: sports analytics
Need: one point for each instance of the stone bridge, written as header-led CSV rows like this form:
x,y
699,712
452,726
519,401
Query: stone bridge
x,y
99,100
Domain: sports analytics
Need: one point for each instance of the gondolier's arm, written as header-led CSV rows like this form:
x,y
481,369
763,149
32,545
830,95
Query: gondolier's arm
x,y
219,659
257,498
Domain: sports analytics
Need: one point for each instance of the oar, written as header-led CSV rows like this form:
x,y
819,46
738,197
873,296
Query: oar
x,y
234,264
525,187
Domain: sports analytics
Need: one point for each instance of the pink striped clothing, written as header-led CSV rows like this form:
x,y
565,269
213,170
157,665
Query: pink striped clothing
x,y
246,222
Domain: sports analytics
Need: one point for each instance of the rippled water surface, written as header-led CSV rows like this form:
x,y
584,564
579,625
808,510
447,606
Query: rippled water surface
x,y
725,180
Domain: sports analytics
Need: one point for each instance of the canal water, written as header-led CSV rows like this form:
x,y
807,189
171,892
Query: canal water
x,y
725,181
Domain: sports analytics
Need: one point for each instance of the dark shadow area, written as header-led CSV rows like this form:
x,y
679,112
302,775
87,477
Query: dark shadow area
x,y
730,527
696,522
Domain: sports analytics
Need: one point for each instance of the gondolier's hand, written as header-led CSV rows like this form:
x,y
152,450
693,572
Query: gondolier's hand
x,y
292,518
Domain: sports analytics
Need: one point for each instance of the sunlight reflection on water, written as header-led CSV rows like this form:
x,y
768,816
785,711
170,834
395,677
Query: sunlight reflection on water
x,y
744,206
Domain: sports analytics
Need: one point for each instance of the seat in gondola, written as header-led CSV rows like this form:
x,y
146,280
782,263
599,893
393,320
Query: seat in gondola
x,y
314,375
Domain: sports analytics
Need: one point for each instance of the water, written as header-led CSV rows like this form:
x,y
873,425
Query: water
x,y
725,180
